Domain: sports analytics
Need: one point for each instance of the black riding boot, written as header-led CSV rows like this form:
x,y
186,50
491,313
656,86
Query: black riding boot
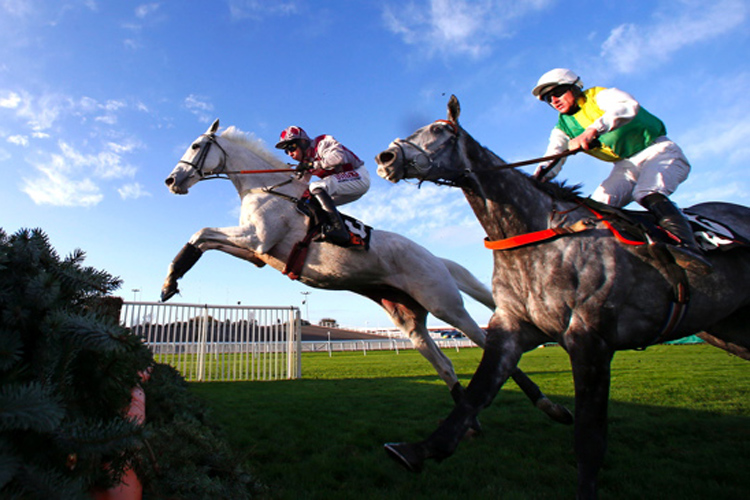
x,y
333,230
686,253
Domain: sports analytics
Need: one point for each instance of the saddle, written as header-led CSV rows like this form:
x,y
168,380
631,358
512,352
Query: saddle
x,y
359,234
640,227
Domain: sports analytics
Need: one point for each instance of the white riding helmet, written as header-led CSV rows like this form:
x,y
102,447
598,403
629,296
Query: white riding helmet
x,y
553,78
290,134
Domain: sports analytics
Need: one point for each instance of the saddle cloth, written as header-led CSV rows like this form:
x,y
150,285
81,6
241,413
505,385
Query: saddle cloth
x,y
359,236
641,226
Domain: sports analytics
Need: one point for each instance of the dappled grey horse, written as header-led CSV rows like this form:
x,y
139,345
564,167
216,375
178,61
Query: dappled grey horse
x,y
582,287
403,277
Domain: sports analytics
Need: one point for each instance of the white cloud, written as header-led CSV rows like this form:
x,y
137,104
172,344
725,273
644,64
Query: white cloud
x,y
200,107
456,27
18,140
132,191
55,188
70,178
10,101
17,8
144,10
631,47
260,9
42,112
105,164
108,119
429,213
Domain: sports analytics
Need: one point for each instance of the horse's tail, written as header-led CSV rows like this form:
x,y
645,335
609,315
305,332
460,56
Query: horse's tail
x,y
469,284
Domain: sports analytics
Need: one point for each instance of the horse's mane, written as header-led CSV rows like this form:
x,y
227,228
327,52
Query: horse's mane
x,y
253,144
559,190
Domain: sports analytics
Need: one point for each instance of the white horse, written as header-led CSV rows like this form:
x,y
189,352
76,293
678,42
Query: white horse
x,y
403,277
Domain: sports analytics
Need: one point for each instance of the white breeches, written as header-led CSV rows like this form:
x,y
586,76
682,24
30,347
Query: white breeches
x,y
345,187
659,168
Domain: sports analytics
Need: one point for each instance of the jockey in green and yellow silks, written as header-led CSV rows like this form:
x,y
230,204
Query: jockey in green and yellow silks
x,y
611,125
622,142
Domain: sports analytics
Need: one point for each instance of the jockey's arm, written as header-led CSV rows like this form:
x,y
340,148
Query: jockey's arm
x,y
330,154
558,142
619,108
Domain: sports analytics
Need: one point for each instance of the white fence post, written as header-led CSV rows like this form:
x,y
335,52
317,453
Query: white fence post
x,y
205,342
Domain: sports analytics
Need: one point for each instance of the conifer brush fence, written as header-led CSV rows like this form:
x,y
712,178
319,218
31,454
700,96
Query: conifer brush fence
x,y
219,343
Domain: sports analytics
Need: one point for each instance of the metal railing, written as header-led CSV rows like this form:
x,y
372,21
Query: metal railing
x,y
220,343
386,344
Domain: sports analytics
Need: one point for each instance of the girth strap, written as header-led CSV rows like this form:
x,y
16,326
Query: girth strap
x,y
537,236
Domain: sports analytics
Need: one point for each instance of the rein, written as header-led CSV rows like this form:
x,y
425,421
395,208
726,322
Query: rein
x,y
424,167
263,171
541,159
270,190
220,173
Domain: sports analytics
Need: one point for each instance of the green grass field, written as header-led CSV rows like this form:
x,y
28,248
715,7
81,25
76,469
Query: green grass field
x,y
679,428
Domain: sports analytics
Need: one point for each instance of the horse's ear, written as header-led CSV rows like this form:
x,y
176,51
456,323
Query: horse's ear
x,y
454,109
214,127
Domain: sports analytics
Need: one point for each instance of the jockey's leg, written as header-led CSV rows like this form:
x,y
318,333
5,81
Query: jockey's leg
x,y
334,230
686,253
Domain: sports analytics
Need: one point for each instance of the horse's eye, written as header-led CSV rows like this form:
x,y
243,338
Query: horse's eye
x,y
437,128
196,146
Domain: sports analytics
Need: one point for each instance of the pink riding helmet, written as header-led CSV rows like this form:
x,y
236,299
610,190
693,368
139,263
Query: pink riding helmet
x,y
291,133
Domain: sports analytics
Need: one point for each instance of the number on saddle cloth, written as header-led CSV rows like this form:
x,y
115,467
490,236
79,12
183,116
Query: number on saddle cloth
x,y
359,232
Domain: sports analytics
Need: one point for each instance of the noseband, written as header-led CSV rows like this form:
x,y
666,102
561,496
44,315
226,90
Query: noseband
x,y
200,160
422,167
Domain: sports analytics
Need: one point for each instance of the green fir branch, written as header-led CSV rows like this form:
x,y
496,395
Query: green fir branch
x,y
29,406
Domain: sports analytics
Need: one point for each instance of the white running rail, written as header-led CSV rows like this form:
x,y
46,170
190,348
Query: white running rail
x,y
220,343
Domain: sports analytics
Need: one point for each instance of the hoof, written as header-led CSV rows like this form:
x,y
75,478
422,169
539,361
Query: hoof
x,y
556,412
405,454
169,291
475,429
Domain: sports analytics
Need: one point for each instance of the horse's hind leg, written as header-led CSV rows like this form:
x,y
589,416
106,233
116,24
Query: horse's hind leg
x,y
731,334
460,319
411,320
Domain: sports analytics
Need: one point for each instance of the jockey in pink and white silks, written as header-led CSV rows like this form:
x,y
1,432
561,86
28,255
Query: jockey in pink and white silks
x,y
343,176
611,125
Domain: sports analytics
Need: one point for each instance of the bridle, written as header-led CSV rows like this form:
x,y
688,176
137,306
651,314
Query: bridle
x,y
422,168
219,172
200,160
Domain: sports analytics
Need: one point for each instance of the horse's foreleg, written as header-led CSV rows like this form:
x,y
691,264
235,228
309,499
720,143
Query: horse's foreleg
x,y
500,357
183,261
460,319
590,360
236,241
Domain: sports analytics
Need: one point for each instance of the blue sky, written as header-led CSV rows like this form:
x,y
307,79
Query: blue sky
x,y
98,101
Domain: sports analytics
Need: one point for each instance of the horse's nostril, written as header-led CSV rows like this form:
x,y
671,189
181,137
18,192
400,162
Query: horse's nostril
x,y
169,181
385,158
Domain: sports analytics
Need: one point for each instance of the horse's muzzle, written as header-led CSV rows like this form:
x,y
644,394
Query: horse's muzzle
x,y
390,164
173,186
